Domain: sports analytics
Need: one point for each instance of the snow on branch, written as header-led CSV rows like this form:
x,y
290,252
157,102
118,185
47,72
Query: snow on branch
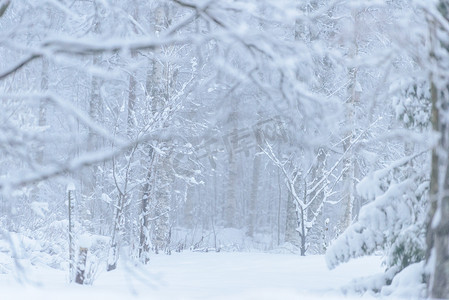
x,y
71,165
18,65
380,221
93,46
67,107
371,230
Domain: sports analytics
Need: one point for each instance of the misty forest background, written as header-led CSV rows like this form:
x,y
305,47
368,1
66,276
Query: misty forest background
x,y
132,128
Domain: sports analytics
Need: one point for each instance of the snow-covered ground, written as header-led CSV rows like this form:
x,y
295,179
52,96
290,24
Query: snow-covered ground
x,y
192,275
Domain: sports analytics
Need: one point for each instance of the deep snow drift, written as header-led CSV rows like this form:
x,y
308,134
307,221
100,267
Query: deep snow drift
x,y
192,275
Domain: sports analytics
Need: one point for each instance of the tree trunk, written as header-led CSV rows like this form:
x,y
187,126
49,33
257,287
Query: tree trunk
x,y
162,81
440,224
438,218
90,180
279,207
131,118
144,218
353,99
303,234
231,199
43,106
161,225
438,215
116,235
71,200
252,214
291,233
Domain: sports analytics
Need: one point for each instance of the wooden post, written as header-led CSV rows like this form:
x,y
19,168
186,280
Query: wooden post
x,y
81,266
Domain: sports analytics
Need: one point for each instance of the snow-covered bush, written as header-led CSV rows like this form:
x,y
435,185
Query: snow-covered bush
x,y
97,246
407,248
408,284
392,222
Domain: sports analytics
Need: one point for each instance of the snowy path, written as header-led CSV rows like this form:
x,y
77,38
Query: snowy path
x,y
204,276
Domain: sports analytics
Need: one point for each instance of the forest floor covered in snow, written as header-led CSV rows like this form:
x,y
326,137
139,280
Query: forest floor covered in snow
x,y
193,275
